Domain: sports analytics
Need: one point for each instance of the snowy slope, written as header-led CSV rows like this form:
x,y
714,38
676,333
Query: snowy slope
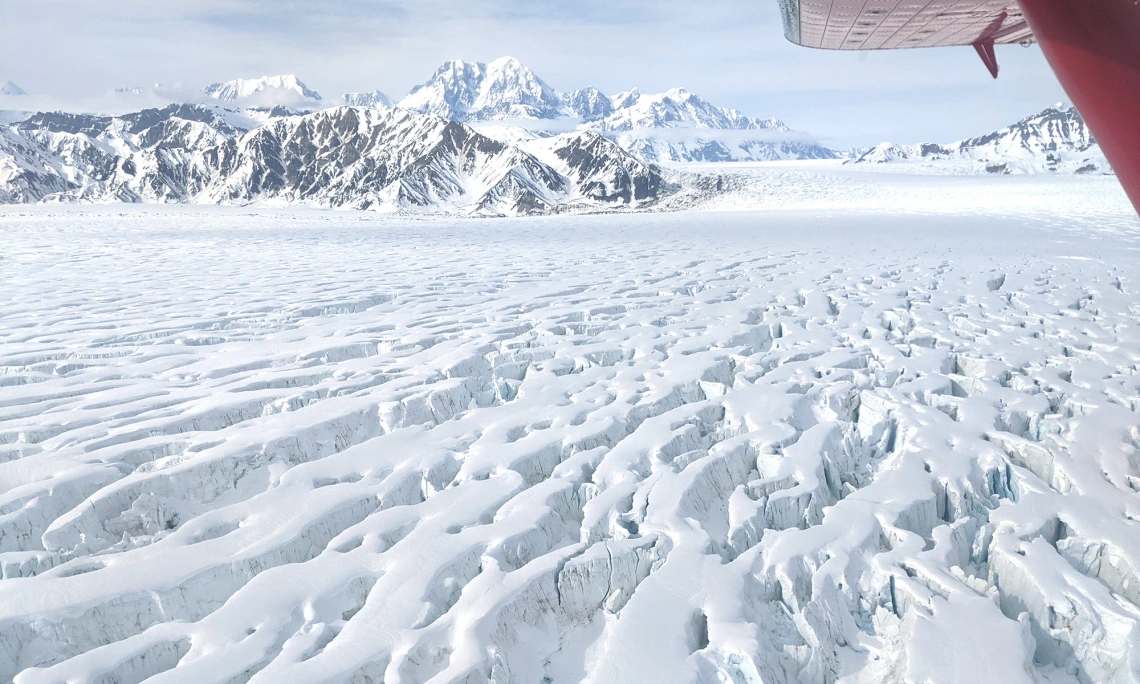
x,y
24,177
1055,140
267,91
781,447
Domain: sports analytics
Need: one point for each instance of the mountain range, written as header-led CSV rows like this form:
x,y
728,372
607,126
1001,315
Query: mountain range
x,y
674,126
475,138
353,157
1055,140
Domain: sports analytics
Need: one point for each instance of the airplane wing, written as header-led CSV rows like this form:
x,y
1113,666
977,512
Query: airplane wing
x,y
1092,45
887,24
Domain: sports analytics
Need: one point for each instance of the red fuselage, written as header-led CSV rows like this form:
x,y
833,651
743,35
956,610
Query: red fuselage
x,y
1094,48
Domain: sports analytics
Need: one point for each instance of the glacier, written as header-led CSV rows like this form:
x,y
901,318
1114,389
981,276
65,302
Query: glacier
x,y
862,432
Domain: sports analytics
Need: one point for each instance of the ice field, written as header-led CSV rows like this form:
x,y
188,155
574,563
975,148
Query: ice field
x,y
893,444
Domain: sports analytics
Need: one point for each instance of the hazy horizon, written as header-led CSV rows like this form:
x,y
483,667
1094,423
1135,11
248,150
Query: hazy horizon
x,y
732,53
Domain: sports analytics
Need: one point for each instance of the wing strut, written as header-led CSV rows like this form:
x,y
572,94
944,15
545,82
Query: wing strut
x,y
985,48
985,43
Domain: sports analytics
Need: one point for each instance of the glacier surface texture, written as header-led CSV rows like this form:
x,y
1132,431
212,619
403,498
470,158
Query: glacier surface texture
x,y
770,446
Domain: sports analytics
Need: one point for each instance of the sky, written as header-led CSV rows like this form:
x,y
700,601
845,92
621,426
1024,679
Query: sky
x,y
70,53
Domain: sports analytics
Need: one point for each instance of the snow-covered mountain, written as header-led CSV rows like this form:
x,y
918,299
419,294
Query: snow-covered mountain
x,y
677,108
678,126
511,103
588,104
9,88
372,99
694,129
506,102
599,169
474,91
357,157
1055,140
151,155
267,91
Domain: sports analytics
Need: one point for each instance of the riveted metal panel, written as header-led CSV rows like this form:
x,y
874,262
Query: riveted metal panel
x,y
888,24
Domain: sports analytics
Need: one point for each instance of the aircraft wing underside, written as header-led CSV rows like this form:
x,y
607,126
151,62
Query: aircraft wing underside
x,y
886,24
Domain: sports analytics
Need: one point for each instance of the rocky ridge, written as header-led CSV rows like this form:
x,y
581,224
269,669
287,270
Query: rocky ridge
x,y
352,157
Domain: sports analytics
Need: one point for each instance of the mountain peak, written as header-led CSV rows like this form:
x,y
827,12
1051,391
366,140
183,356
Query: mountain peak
x,y
285,89
588,104
626,99
474,91
371,99
9,88
506,62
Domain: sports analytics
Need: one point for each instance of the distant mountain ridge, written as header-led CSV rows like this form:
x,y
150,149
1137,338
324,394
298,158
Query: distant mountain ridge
x,y
372,99
679,126
507,91
1054,140
678,108
11,89
476,138
267,91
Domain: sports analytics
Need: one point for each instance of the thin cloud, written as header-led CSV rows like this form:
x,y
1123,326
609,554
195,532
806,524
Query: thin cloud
x,y
731,52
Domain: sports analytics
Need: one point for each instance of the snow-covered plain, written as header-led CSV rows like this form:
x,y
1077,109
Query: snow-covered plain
x,y
896,443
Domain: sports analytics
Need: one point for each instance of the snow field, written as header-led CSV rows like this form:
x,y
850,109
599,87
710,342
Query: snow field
x,y
721,447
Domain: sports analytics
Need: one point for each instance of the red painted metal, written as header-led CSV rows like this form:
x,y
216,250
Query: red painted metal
x,y
1094,48
985,48
985,43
